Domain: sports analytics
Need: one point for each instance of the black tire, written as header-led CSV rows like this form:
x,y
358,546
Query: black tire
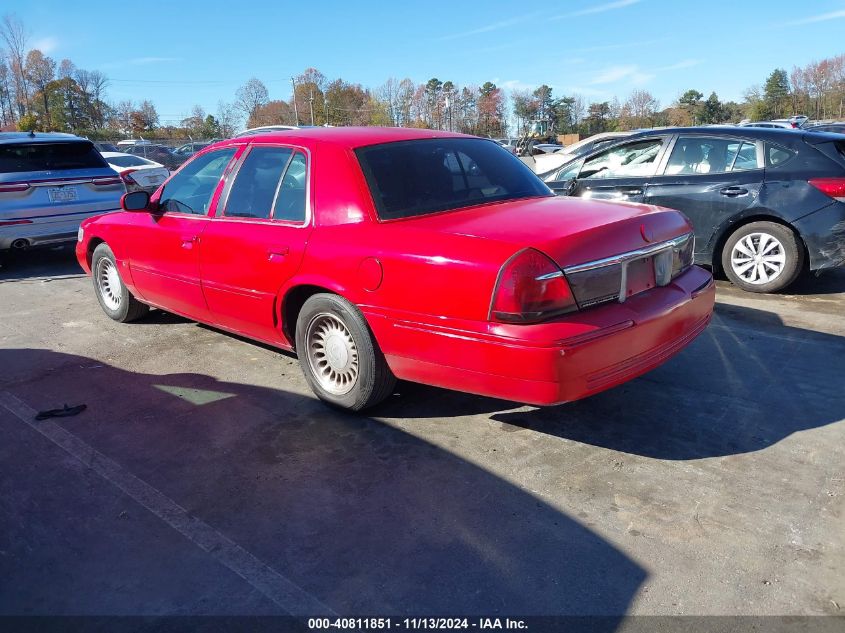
x,y
115,300
372,382
741,273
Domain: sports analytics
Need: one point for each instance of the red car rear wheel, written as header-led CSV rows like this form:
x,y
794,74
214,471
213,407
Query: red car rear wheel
x,y
338,354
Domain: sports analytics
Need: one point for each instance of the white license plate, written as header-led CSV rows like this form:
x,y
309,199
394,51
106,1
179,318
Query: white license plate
x,y
62,194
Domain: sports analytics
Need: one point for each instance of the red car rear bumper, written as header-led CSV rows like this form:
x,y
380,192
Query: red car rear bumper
x,y
556,361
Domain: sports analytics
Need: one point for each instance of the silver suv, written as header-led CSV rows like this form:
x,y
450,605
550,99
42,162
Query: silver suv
x,y
49,183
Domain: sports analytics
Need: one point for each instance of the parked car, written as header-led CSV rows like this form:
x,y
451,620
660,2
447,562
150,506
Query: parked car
x,y
544,165
265,129
157,153
130,142
383,253
836,128
189,149
49,183
105,147
765,203
777,123
137,173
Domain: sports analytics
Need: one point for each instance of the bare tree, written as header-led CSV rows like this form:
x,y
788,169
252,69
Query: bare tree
x,y
639,110
228,118
251,96
404,96
98,84
7,110
123,113
15,35
148,115
388,95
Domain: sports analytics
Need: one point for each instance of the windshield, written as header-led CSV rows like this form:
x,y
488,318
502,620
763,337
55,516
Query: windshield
x,y
412,178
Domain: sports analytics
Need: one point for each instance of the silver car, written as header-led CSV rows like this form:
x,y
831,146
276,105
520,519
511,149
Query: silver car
x,y
49,183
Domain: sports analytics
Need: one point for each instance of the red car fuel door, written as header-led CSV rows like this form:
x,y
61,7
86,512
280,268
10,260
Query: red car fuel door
x,y
256,240
164,245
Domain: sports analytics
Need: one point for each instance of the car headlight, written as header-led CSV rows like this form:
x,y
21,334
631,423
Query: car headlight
x,y
80,234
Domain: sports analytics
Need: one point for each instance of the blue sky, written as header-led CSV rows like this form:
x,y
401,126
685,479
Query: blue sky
x,y
198,52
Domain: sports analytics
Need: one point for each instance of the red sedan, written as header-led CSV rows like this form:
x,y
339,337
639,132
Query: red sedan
x,y
384,253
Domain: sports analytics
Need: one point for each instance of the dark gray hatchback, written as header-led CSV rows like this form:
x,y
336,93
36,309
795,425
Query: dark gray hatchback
x,y
49,183
765,203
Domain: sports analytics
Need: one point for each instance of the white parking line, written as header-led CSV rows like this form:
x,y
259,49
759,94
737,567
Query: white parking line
x,y
289,596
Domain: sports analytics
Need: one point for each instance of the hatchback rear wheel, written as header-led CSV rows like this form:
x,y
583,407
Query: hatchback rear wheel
x,y
114,297
763,257
338,354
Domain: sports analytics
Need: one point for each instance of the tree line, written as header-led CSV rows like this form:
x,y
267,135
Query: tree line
x,y
40,93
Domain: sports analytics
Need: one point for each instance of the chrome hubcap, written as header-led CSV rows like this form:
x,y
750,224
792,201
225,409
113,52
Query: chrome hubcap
x,y
108,283
758,258
332,354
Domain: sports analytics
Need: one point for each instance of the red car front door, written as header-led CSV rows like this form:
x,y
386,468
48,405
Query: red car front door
x,y
164,246
256,240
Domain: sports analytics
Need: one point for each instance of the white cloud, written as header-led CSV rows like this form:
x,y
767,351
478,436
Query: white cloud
x,y
635,75
687,63
495,26
586,91
614,74
613,47
141,61
610,6
46,44
529,17
824,17
516,84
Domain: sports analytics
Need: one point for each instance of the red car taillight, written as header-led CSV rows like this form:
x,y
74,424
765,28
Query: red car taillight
x,y
833,187
14,186
530,288
127,178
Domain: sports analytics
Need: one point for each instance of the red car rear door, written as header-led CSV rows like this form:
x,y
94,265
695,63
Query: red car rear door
x,y
256,240
163,246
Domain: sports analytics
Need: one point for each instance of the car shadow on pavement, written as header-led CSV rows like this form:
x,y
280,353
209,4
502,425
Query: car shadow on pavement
x,y
57,262
366,517
746,383
827,283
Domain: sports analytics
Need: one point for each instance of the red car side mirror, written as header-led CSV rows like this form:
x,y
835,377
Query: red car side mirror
x,y
135,201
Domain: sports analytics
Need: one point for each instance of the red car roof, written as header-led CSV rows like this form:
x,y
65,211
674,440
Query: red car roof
x,y
350,136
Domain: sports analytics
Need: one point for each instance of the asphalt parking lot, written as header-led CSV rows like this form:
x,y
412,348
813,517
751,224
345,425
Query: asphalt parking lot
x,y
204,477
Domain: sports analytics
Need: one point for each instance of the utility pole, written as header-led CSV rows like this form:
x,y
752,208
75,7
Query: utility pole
x,y
295,112
311,105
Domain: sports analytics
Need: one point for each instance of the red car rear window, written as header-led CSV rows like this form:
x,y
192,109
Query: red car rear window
x,y
409,178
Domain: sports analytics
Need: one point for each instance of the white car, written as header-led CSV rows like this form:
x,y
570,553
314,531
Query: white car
x,y
138,173
266,129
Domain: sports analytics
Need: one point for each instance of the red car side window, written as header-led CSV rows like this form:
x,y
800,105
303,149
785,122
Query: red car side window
x,y
190,190
257,183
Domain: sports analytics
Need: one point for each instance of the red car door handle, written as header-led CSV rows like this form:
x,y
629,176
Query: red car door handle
x,y
277,254
188,241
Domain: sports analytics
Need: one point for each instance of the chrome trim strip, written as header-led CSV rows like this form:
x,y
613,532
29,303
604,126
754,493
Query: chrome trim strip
x,y
626,257
62,183
548,276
